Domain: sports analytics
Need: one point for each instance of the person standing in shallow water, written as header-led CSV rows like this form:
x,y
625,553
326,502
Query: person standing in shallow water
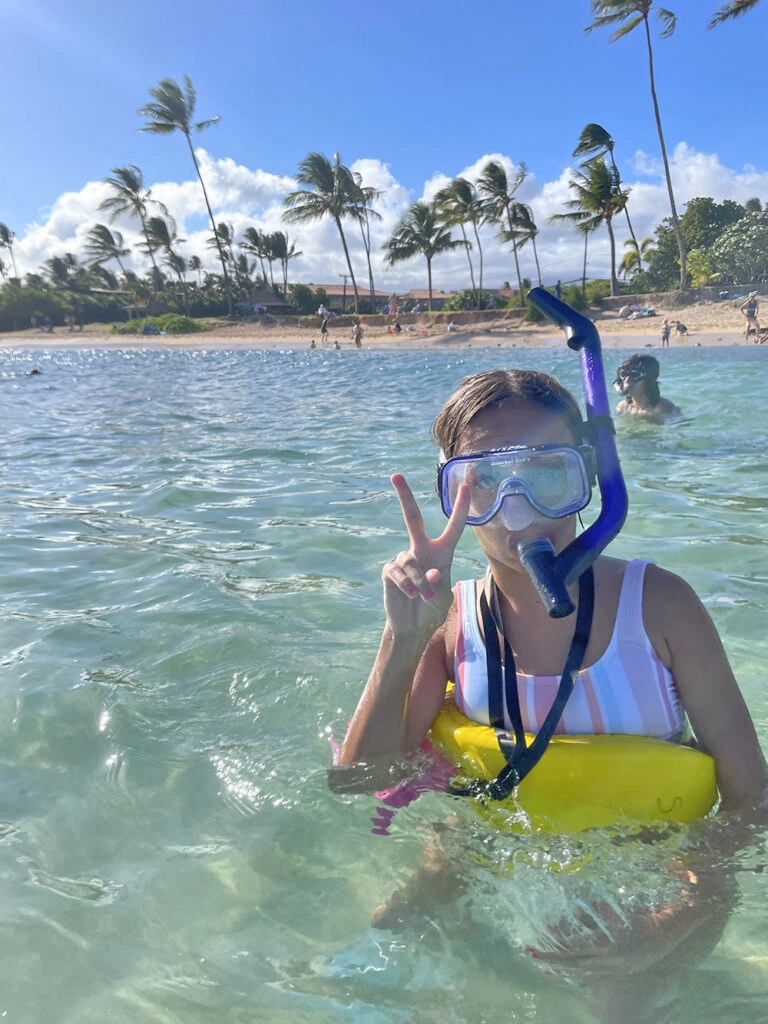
x,y
666,330
357,333
637,383
751,323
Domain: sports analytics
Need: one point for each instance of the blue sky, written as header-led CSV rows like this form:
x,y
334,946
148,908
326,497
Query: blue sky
x,y
411,93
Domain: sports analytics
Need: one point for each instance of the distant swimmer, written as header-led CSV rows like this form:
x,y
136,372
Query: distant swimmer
x,y
637,383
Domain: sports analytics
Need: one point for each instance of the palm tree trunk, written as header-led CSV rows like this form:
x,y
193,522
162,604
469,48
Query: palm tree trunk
x,y
480,258
213,223
349,262
536,258
517,261
673,209
155,272
429,281
471,268
626,211
584,268
366,233
614,280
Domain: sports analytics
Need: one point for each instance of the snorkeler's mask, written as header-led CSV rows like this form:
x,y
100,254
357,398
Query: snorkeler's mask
x,y
553,479
624,377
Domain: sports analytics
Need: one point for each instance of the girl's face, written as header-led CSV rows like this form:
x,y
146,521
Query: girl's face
x,y
517,521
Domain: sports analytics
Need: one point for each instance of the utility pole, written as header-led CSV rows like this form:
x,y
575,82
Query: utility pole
x,y
344,293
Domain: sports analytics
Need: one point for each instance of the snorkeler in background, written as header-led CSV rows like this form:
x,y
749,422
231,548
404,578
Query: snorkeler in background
x,y
637,381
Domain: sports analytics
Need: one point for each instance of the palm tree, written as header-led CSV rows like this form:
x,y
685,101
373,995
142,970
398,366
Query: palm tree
x,y
179,266
172,111
196,265
597,199
101,245
255,243
732,10
585,228
596,141
161,235
498,194
66,272
633,259
330,192
130,197
282,249
633,13
363,196
223,239
460,204
420,231
6,242
3,270
526,231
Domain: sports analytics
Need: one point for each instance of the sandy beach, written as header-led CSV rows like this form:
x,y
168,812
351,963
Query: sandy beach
x,y
708,323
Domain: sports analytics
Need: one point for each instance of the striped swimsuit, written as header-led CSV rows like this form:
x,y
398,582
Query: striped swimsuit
x,y
628,690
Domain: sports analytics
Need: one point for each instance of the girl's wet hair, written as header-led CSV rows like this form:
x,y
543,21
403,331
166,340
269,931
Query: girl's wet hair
x,y
649,367
492,389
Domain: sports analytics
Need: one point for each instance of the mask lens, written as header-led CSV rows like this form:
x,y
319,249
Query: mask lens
x,y
633,375
553,480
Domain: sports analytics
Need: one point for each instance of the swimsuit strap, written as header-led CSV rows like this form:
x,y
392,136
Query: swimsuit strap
x,y
520,757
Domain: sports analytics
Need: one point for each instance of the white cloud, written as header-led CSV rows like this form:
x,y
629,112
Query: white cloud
x,y
243,197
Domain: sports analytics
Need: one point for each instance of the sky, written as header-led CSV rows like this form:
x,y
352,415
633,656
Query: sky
x,y
411,94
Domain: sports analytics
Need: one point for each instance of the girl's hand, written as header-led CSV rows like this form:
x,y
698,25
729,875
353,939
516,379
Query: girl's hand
x,y
417,582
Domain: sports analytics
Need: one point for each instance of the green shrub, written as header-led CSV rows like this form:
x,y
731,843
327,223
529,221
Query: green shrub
x,y
168,323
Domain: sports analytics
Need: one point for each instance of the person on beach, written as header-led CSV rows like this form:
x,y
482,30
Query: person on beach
x,y
357,333
680,329
666,330
751,323
324,330
637,383
653,662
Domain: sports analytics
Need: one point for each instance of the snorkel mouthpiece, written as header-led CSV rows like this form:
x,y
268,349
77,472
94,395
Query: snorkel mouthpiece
x,y
538,559
553,573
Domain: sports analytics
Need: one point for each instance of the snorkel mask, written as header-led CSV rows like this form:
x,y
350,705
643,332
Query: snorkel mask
x,y
624,378
550,481
553,573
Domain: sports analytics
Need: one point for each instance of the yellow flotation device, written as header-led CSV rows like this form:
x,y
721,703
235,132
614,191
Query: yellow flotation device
x,y
583,782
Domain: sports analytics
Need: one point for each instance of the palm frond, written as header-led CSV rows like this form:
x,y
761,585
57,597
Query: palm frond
x,y
732,10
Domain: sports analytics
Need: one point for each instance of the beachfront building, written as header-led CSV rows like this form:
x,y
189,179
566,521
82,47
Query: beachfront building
x,y
420,297
341,297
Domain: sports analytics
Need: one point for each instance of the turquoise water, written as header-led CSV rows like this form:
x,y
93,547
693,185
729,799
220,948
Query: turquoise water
x,y
190,595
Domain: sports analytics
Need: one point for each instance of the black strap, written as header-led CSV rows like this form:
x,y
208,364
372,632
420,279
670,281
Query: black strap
x,y
493,656
520,757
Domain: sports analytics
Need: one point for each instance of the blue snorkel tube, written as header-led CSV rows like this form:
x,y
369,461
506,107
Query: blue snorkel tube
x,y
553,573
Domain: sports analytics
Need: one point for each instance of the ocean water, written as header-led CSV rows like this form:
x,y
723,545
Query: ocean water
x,y
190,600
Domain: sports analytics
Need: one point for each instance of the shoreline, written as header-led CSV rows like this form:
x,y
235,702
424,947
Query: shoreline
x,y
460,340
709,324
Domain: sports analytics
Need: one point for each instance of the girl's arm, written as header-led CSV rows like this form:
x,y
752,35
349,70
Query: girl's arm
x,y
688,643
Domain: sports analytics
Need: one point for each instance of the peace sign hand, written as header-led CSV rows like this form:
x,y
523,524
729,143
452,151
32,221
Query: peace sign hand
x,y
417,582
